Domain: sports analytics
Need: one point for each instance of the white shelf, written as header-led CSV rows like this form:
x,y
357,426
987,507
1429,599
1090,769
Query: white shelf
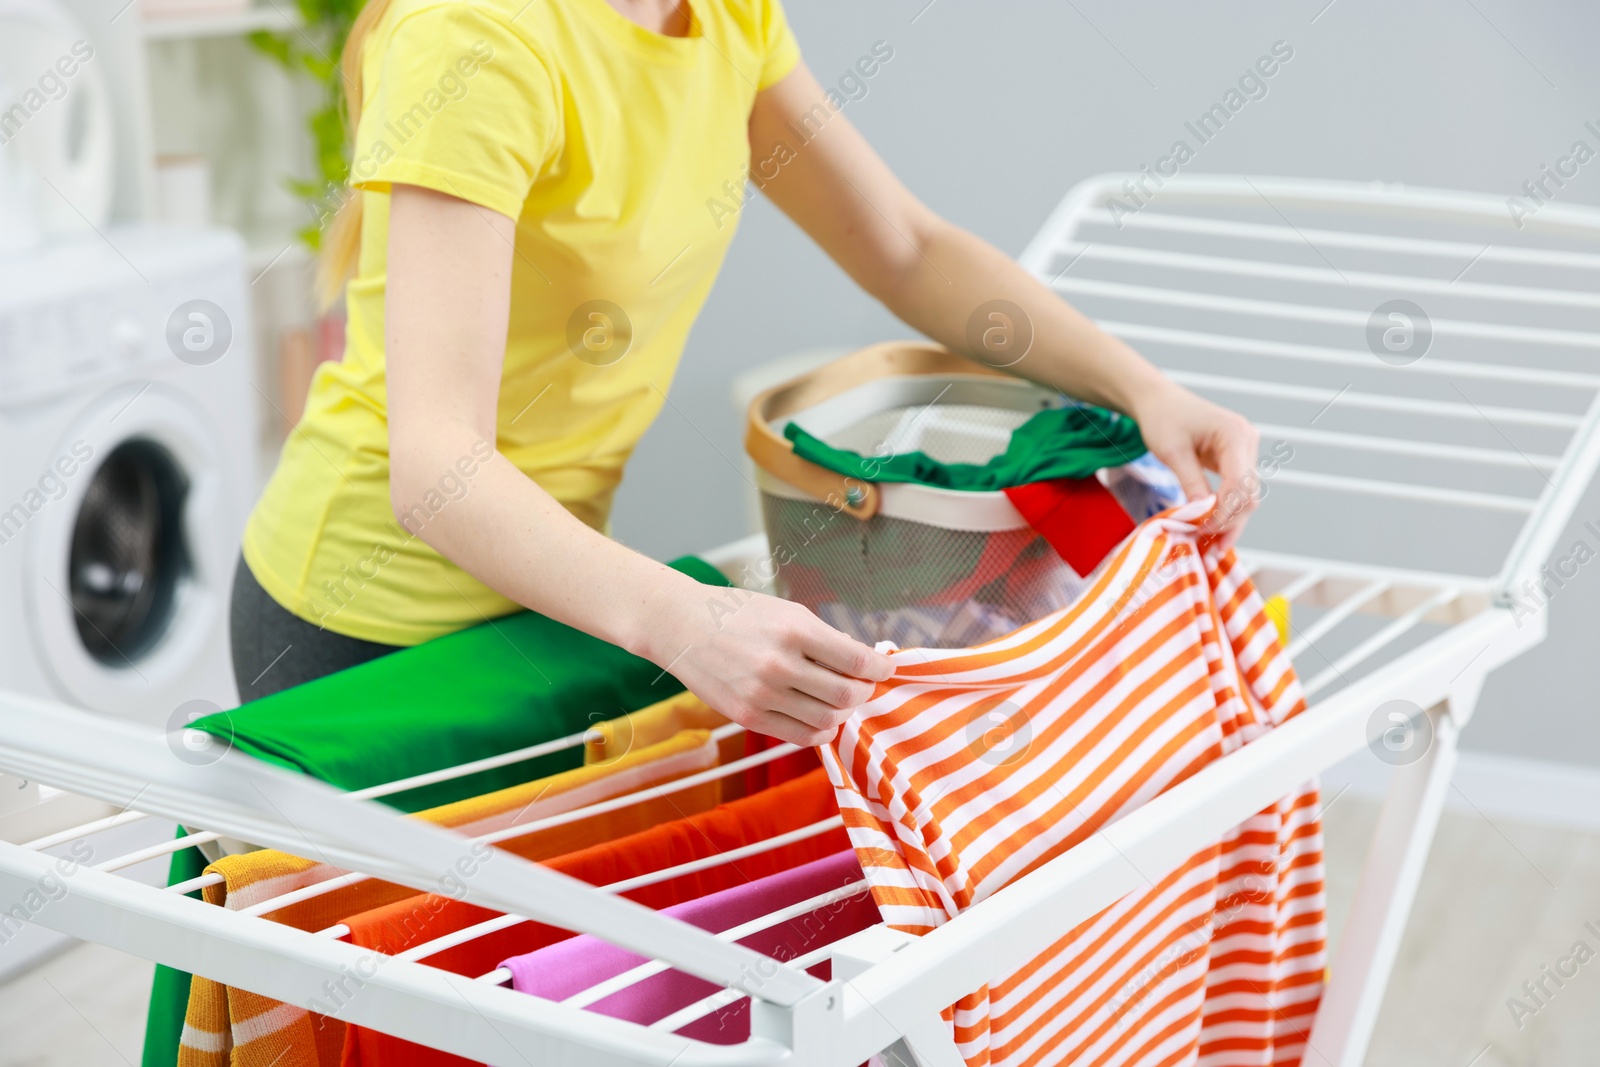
x,y
267,16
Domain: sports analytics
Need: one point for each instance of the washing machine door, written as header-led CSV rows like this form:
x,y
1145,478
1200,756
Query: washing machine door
x,y
129,571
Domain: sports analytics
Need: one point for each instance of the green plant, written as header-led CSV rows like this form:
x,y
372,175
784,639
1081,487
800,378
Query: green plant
x,y
313,51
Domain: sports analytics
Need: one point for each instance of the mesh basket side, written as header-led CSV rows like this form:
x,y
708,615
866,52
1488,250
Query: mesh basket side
x,y
891,579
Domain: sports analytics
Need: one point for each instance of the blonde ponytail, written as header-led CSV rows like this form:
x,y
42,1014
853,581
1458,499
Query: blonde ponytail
x,y
341,242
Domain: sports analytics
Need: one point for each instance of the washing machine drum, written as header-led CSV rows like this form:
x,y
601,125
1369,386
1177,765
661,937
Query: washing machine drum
x,y
128,555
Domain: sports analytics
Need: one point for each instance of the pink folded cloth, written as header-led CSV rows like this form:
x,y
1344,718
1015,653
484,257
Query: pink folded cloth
x,y
571,966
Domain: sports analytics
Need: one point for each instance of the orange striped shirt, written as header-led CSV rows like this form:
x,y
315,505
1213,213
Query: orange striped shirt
x,y
971,767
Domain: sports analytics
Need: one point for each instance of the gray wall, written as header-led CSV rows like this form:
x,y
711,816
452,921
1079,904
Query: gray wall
x,y
990,112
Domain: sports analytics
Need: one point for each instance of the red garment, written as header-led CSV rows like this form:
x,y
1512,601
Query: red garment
x,y
409,922
783,769
1078,516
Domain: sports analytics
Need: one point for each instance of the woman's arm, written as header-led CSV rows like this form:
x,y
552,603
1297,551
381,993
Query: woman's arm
x,y
934,276
768,664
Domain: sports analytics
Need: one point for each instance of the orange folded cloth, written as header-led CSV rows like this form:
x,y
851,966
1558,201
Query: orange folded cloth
x,y
404,924
224,1025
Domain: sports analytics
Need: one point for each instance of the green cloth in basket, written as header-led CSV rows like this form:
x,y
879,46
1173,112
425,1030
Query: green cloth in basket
x,y
506,684
1065,442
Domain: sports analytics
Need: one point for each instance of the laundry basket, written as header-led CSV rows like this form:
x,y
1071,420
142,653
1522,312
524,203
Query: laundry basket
x,y
905,562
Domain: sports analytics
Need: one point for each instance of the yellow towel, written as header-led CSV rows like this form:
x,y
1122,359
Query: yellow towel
x,y
226,1026
611,740
1278,612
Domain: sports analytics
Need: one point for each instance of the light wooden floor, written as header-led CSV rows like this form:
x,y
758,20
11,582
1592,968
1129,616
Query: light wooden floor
x,y
84,1007
1499,902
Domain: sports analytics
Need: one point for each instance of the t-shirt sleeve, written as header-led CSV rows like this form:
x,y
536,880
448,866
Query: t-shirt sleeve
x,y
781,51
460,104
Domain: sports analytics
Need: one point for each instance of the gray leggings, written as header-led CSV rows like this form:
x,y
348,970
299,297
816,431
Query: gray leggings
x,y
274,649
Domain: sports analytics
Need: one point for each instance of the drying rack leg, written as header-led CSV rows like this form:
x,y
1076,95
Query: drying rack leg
x,y
1383,901
926,1040
927,1045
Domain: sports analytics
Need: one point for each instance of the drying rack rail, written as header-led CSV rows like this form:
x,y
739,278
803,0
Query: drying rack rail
x,y
1279,296
1367,634
880,976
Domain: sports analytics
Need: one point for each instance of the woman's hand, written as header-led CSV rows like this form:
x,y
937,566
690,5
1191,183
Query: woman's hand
x,y
767,664
1192,435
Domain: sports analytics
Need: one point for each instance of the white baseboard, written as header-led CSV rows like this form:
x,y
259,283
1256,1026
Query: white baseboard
x,y
1504,787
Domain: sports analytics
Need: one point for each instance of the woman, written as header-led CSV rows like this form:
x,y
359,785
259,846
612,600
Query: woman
x,y
544,192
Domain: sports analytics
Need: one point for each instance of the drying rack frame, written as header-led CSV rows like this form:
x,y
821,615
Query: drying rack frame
x,y
887,988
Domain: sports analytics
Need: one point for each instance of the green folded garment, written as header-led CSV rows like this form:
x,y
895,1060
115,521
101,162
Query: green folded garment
x,y
504,685
1067,442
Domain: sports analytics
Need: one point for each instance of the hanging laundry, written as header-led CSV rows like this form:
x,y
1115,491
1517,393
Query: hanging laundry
x,y
226,1025
801,761
972,767
517,681
409,923
576,964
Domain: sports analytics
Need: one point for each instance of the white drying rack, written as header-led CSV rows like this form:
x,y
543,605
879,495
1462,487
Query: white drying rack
x,y
1368,632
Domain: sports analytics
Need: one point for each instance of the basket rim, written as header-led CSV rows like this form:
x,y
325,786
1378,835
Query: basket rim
x,y
967,511
775,454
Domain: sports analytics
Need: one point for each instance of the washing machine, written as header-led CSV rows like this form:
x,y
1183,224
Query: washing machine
x,y
128,437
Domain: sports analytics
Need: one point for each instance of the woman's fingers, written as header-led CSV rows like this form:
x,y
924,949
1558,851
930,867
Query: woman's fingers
x,y
786,728
777,669
814,691
775,711
1185,464
1192,435
831,688
1235,461
844,654
808,710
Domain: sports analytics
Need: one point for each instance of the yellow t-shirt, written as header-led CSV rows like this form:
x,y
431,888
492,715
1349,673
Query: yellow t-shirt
x,y
623,155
